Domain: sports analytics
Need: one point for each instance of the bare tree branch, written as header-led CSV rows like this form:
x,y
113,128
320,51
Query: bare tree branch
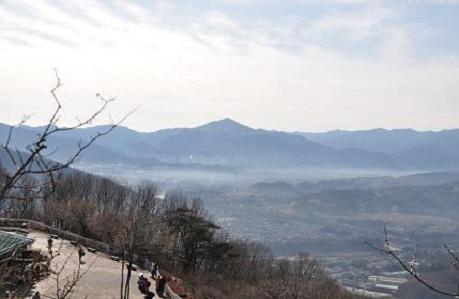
x,y
35,161
410,267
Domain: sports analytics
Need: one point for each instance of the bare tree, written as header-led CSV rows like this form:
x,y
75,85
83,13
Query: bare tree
x,y
67,273
138,226
34,160
411,266
28,174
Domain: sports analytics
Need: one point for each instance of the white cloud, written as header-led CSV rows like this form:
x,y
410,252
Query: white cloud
x,y
219,19
215,67
355,25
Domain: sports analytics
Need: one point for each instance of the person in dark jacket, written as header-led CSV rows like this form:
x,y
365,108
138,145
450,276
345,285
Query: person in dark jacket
x,y
160,285
154,270
141,282
50,245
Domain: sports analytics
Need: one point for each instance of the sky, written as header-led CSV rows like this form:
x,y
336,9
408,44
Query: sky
x,y
296,65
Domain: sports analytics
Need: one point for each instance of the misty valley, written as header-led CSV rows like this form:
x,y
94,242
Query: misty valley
x,y
332,218
323,194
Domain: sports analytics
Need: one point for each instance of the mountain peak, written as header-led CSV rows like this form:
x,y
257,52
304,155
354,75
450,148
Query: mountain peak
x,y
226,125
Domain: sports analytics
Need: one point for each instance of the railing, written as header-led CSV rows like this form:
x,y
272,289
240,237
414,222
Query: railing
x,y
170,294
98,245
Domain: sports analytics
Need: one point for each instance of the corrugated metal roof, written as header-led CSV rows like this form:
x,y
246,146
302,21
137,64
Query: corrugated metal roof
x,y
11,241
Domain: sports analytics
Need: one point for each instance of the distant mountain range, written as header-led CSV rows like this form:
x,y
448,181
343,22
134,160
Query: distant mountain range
x,y
228,143
412,149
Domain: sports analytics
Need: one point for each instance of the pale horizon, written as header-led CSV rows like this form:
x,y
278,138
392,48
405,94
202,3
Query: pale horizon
x,y
123,125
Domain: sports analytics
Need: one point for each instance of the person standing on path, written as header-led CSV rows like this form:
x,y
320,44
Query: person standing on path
x,y
154,270
50,245
81,253
160,284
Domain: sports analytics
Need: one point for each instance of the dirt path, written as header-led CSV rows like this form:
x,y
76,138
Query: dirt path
x,y
102,278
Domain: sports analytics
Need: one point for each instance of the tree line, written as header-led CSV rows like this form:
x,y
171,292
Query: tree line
x,y
174,230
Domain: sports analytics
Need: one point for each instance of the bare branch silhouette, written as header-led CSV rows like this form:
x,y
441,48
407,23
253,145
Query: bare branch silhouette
x,y
411,267
34,161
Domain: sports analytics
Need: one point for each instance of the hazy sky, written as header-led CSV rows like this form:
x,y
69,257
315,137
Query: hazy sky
x,y
280,64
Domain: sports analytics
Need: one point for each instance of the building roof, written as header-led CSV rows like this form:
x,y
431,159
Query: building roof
x,y
11,241
386,286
